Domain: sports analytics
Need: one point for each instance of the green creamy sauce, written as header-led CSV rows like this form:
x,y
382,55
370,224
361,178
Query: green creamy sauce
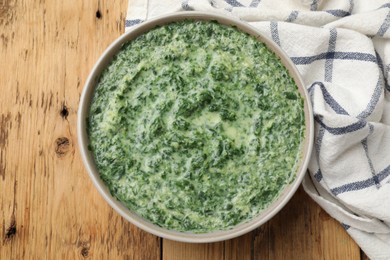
x,y
196,126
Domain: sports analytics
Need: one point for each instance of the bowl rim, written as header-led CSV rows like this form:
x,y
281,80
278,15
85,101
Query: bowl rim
x,y
87,158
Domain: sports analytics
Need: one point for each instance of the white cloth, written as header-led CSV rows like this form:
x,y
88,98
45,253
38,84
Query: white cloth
x,y
342,50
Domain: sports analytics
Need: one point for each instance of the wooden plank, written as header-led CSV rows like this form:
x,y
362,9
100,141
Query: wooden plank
x,y
49,207
302,230
239,248
261,243
173,250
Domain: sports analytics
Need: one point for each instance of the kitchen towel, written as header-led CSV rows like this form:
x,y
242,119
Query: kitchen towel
x,y
342,50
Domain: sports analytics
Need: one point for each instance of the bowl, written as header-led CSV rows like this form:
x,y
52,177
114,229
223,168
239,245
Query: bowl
x,y
144,224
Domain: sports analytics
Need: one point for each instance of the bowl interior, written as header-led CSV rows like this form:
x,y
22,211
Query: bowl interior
x,y
88,159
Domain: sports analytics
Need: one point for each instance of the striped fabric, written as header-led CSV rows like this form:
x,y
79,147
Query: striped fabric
x,y
342,50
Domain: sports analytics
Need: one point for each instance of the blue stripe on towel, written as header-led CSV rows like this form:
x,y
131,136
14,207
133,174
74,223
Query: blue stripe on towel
x,y
365,148
338,12
373,101
292,17
314,5
345,226
129,23
351,6
342,130
385,26
275,32
234,3
318,175
328,98
335,55
331,49
185,6
359,185
255,3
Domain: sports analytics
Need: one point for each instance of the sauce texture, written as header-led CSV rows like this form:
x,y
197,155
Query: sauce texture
x,y
196,126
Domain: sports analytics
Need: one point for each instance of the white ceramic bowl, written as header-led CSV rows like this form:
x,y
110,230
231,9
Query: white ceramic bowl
x,y
87,156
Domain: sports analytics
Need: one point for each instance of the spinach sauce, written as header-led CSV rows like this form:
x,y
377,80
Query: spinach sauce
x,y
196,126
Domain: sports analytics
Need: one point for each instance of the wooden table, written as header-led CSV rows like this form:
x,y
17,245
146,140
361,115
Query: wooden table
x,y
49,207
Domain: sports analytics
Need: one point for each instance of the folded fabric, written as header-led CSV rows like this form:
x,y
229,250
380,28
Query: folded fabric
x,y
342,50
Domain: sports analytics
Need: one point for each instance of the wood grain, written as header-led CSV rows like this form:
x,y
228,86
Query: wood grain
x,y
303,228
49,207
175,250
